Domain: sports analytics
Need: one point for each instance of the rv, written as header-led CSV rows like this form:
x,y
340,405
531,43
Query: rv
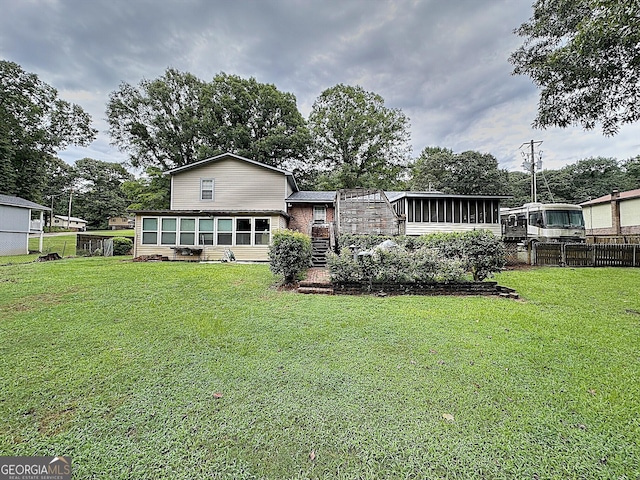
x,y
543,222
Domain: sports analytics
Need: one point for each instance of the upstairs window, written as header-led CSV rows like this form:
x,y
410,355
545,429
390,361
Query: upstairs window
x,y
206,189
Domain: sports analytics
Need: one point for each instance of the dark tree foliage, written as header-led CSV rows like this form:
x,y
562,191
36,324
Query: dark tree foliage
x,y
584,57
149,192
463,173
178,119
99,194
358,141
34,125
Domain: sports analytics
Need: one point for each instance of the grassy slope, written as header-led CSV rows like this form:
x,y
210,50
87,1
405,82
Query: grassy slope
x,y
187,370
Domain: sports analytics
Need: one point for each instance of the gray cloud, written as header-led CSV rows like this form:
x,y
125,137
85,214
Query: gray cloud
x,y
443,63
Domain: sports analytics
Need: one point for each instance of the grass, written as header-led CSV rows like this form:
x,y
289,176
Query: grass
x,y
181,370
64,244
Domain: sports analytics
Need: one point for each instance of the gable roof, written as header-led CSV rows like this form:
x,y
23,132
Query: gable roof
x,y
20,202
224,156
629,194
70,219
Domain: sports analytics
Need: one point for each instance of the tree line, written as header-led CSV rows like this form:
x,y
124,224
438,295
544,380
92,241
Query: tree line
x,y
581,54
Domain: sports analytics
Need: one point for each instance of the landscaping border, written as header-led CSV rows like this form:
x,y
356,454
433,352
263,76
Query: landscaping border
x,y
423,288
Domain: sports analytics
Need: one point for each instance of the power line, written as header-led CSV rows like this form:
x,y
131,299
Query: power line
x,y
531,165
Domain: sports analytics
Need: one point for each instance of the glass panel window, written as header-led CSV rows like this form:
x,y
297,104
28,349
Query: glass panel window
x,y
473,205
149,231
206,189
448,211
319,213
441,211
168,235
225,231
410,206
243,231
187,231
205,229
456,211
262,231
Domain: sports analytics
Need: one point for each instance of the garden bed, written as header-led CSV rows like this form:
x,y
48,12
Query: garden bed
x,y
423,288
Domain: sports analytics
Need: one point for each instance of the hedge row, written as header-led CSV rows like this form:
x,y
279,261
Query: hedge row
x,y
438,257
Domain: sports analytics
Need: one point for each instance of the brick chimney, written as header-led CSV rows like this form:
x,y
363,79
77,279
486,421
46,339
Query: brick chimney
x,y
615,212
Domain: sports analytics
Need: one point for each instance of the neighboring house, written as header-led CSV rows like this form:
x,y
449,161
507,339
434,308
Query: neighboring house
x,y
69,223
231,202
121,223
617,214
16,224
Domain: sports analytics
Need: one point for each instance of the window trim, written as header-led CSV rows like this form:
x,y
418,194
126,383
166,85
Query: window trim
x,y
212,190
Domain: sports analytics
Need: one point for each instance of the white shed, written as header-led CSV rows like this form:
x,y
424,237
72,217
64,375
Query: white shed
x,y
16,224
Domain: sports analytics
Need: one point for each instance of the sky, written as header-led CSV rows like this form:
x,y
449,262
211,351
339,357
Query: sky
x,y
444,63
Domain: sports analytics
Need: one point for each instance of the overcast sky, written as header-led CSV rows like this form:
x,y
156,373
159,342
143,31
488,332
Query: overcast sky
x,y
443,62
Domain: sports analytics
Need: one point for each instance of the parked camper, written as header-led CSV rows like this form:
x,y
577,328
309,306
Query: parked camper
x,y
543,222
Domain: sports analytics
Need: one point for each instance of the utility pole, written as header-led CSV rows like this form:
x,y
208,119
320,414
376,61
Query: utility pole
x,y
69,214
530,164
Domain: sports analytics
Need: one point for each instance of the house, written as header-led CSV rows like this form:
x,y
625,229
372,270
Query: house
x,y
614,215
69,223
17,223
233,203
222,203
121,223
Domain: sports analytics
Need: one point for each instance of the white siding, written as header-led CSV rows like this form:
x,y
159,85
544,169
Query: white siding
x,y
238,185
597,216
14,243
630,212
424,228
14,219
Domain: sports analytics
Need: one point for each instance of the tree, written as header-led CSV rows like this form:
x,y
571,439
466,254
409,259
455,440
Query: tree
x,y
34,124
358,141
631,167
254,120
463,173
150,192
178,119
99,194
584,56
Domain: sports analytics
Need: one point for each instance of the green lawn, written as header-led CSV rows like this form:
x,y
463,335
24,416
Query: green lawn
x,y
183,370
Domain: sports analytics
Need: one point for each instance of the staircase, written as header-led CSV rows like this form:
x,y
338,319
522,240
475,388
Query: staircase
x,y
319,252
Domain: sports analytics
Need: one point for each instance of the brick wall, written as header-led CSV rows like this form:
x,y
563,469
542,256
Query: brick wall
x,y
302,217
455,288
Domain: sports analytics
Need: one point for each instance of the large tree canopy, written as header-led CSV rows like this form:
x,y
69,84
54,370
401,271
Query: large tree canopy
x,y
358,141
465,173
584,55
34,124
99,194
178,119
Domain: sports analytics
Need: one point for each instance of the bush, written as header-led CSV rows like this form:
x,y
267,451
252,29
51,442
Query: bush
x,y
440,257
289,254
122,246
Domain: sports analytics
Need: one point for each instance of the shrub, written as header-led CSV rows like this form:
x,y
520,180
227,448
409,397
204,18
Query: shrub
x,y
289,254
440,257
122,246
484,252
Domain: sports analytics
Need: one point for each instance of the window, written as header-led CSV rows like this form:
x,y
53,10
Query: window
x,y
205,227
243,231
319,214
457,207
262,231
149,231
187,231
168,234
225,231
206,189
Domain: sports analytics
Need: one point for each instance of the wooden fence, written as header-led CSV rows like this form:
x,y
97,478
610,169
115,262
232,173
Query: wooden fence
x,y
587,255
